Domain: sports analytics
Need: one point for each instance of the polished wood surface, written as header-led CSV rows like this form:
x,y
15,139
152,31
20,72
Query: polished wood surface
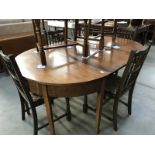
x,y
112,60
67,74
61,69
17,43
62,63
13,36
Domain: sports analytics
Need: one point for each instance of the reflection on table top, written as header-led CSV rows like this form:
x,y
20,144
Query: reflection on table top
x,y
64,65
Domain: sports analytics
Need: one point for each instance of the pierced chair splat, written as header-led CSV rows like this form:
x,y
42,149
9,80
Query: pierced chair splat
x,y
117,86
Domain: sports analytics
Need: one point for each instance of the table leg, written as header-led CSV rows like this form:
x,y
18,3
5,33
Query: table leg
x,y
48,109
99,106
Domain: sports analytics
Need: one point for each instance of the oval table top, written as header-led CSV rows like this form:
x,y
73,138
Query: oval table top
x,y
64,65
61,69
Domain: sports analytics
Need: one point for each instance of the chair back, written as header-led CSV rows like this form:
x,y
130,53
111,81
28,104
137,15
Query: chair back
x,y
13,70
144,31
136,22
124,34
56,36
132,69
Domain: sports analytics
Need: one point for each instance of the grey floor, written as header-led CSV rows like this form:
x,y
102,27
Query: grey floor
x,y
140,122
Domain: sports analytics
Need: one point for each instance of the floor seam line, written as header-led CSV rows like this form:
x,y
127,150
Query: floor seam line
x,y
145,85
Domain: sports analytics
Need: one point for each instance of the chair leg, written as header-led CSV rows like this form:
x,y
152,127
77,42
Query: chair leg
x,y
68,110
130,100
27,108
115,109
22,106
35,121
85,105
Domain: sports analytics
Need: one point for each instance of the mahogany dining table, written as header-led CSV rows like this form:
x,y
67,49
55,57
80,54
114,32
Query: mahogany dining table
x,y
68,75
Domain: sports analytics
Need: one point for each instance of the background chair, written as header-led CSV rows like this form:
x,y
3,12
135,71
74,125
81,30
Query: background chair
x,y
29,101
136,31
117,86
124,34
56,36
52,36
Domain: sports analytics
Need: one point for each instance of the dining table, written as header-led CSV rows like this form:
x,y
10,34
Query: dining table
x,y
67,74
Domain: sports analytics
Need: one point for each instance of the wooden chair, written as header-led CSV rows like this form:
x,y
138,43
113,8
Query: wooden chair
x,y
29,101
135,31
136,22
55,36
124,34
143,33
117,86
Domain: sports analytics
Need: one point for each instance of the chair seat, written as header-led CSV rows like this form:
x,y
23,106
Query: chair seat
x,y
35,97
38,99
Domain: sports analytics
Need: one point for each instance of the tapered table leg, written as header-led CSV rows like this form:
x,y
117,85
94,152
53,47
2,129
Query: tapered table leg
x,y
48,109
99,102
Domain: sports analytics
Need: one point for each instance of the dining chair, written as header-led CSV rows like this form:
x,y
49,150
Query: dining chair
x,y
29,100
123,34
54,36
117,86
136,31
143,33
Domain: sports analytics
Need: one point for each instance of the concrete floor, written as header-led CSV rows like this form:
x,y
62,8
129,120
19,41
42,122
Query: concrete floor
x,y
140,122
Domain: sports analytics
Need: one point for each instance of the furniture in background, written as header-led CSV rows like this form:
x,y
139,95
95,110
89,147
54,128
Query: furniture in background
x,y
59,26
16,36
137,30
95,27
15,26
17,43
42,46
152,29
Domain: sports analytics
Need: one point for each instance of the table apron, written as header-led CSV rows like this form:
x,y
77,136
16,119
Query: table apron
x,y
70,90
